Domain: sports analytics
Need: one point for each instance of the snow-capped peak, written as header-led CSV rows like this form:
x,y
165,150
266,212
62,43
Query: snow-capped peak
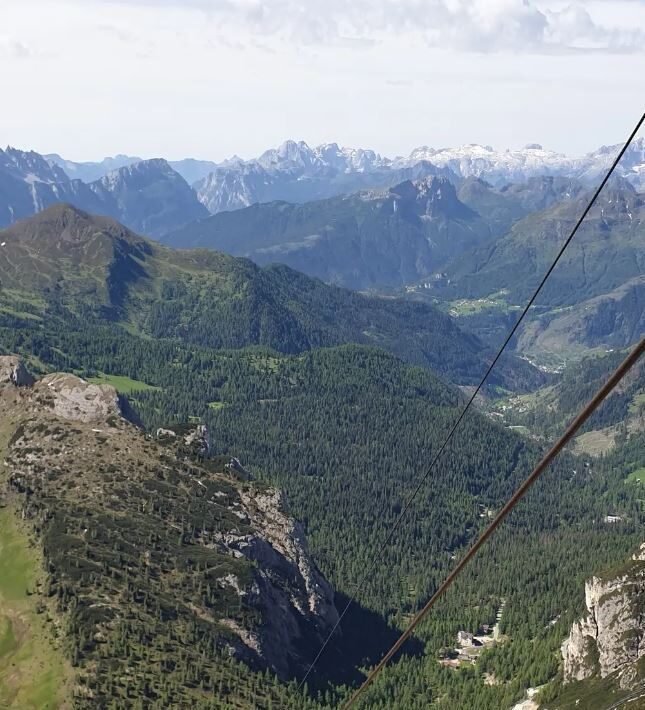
x,y
484,161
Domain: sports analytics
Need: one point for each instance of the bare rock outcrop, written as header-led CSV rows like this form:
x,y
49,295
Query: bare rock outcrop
x,y
73,398
13,371
611,637
68,396
198,440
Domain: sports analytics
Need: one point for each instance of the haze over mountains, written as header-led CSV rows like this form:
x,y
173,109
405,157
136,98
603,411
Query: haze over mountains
x,y
299,160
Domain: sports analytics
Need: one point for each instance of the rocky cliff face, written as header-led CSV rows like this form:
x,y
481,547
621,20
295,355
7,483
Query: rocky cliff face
x,y
289,591
201,548
611,638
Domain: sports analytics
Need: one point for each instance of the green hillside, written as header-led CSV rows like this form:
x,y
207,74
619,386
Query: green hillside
x,y
65,263
606,253
345,431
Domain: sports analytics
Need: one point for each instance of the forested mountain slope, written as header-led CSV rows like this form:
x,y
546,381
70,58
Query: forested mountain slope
x,y
549,409
593,299
502,206
611,320
345,431
371,239
156,567
71,260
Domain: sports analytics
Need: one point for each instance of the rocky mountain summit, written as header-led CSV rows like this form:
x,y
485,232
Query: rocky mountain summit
x,y
611,638
297,172
148,195
141,541
29,184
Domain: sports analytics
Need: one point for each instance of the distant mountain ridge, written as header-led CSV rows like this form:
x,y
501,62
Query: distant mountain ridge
x,y
189,168
147,196
372,239
297,172
29,184
381,238
91,170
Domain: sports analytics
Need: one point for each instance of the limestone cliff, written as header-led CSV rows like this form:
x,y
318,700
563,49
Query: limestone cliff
x,y
285,579
611,637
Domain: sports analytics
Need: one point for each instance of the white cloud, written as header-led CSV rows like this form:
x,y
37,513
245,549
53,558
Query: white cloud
x,y
573,26
466,25
13,49
155,77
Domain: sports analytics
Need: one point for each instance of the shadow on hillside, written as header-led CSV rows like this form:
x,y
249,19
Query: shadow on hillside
x,y
365,638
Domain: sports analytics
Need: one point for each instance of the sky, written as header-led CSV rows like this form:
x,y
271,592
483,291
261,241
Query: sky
x,y
214,78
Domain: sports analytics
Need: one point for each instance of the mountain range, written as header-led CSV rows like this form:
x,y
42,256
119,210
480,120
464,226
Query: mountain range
x,y
293,172
379,238
296,172
190,169
453,230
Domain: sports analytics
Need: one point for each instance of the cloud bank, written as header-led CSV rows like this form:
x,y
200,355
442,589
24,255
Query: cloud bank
x,y
484,26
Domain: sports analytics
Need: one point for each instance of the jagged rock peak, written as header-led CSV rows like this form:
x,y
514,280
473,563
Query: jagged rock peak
x,y
434,196
198,440
31,167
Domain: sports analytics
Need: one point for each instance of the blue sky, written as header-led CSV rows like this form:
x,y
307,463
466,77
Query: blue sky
x,y
210,78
